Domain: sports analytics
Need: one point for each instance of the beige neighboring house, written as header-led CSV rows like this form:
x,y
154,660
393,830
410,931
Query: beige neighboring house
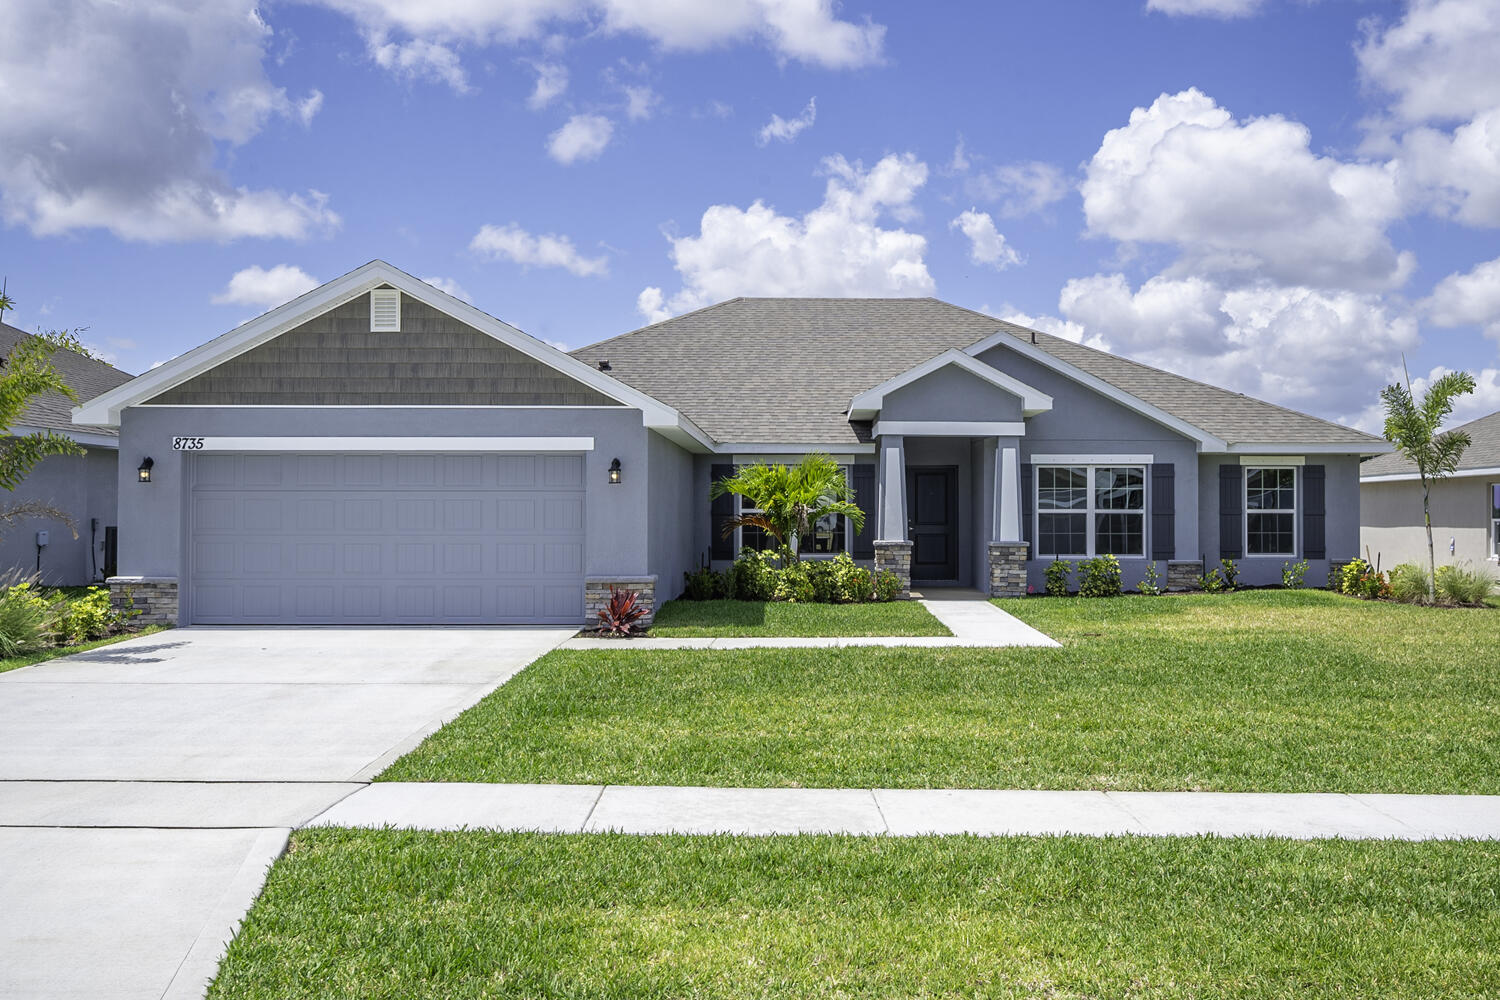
x,y
1465,506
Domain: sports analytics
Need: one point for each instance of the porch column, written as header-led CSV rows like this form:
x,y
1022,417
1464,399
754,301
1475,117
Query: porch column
x,y
1008,550
892,548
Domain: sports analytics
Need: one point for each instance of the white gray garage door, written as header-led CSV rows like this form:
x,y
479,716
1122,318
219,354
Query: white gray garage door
x,y
372,539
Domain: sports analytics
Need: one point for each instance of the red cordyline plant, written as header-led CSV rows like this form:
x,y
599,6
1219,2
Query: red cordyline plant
x,y
620,615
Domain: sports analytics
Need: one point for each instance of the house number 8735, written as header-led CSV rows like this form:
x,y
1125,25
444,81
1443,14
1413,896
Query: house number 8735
x,y
187,444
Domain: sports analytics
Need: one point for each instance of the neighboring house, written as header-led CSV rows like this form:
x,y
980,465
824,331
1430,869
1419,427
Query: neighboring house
x,y
83,486
1465,507
379,451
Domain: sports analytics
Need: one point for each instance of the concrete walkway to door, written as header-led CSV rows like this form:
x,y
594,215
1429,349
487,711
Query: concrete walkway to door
x,y
145,787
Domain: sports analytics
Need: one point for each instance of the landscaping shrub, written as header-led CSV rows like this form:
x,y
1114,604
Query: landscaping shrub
x,y
823,576
1099,577
753,577
1057,577
1359,579
852,582
887,585
1150,584
87,617
1463,585
1221,579
1408,583
703,584
794,583
1293,575
622,615
26,620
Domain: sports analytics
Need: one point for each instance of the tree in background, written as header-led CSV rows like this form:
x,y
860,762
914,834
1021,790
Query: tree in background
x,y
790,501
1413,428
25,374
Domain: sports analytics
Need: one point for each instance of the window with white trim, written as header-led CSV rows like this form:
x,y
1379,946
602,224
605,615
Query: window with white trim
x,y
829,536
1495,520
1270,511
1089,510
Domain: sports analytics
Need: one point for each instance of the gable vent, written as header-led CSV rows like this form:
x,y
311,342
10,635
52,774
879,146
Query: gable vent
x,y
385,311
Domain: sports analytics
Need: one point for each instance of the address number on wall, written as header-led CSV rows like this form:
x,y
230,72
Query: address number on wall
x,y
187,444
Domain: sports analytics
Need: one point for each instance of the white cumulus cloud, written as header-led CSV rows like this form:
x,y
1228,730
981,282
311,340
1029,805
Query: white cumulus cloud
x,y
420,59
582,137
840,248
114,116
515,244
1244,197
640,102
986,243
1471,298
265,287
1206,8
787,129
1019,188
551,83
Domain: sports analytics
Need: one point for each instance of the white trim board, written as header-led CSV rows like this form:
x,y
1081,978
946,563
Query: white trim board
x,y
950,428
1108,460
104,410
416,445
1411,477
775,448
1273,460
786,458
1285,448
868,403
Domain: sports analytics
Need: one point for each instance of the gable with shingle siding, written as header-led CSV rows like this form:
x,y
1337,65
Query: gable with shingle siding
x,y
334,359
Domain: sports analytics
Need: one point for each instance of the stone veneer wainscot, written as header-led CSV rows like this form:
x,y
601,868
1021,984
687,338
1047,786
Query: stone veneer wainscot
x,y
596,596
896,557
155,597
1008,569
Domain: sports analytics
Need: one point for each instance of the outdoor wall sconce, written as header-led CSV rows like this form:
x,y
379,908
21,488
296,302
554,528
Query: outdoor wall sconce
x,y
614,473
144,472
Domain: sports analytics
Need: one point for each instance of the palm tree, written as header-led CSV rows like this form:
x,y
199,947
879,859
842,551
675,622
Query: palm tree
x,y
1413,429
789,501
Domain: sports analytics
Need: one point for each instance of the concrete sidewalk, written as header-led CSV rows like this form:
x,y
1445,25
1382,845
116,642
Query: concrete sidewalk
x,y
640,809
968,614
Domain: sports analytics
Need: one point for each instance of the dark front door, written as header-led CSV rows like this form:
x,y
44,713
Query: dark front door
x,y
932,518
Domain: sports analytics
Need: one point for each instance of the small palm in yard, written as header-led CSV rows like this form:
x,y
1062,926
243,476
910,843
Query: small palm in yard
x,y
790,500
1413,428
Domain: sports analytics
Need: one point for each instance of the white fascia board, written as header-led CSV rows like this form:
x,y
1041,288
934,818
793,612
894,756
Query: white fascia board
x,y
1411,477
1093,459
866,405
84,438
774,458
950,428
1205,440
391,444
104,410
778,448
1283,448
1270,460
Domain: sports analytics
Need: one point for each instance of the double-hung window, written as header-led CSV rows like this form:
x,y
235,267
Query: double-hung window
x,y
1271,511
1088,510
1495,520
829,536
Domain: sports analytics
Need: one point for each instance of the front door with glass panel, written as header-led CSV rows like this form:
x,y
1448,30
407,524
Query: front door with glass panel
x,y
932,516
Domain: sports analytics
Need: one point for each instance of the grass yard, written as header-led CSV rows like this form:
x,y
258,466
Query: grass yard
x,y
390,914
1255,691
691,619
42,656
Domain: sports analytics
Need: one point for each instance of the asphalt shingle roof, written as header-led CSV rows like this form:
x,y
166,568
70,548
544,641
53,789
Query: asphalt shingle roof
x,y
1483,451
784,370
88,377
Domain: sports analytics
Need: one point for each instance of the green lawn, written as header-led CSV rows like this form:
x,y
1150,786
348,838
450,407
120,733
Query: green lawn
x,y
42,656
388,914
1256,691
685,619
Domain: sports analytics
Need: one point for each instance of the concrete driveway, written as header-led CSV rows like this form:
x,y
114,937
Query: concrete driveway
x,y
146,786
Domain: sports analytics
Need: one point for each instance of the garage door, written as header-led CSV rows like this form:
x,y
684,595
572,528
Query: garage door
x,y
372,539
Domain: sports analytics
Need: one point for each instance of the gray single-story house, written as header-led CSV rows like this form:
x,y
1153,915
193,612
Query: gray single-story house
x,y
378,451
81,486
1465,507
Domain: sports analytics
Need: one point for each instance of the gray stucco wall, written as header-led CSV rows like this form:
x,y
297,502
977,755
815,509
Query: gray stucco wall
x,y
1341,503
669,515
1082,422
1392,529
151,515
84,487
950,394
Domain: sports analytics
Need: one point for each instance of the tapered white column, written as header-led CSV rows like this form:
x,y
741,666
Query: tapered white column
x,y
892,526
1007,526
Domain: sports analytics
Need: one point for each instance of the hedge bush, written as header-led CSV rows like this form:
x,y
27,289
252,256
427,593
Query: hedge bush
x,y
773,576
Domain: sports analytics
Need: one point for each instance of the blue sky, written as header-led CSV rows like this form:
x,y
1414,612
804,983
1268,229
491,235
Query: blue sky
x,y
1280,196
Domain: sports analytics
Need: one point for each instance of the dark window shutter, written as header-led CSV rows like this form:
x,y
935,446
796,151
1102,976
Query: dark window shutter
x,y
722,546
862,478
1314,511
1231,512
1028,499
1164,511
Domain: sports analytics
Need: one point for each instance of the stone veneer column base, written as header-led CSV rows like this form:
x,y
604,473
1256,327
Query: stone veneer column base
x,y
1183,575
596,596
155,597
895,556
1008,569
